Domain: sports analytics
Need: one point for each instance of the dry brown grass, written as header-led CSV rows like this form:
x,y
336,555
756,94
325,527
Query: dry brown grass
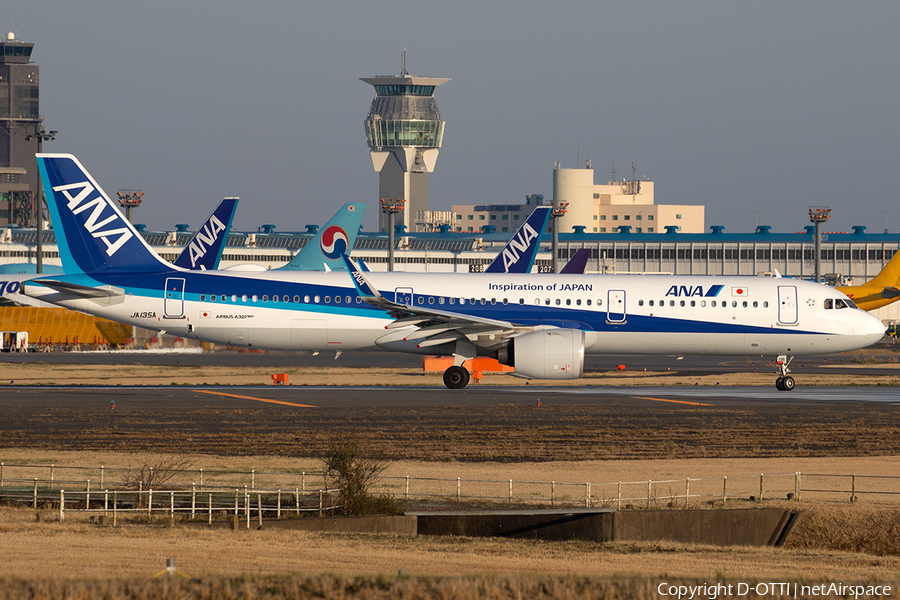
x,y
80,550
366,588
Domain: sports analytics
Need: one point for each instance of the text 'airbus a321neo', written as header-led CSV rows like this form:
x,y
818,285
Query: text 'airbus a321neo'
x,y
542,325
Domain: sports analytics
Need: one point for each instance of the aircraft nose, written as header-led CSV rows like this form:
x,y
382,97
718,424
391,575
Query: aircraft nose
x,y
874,329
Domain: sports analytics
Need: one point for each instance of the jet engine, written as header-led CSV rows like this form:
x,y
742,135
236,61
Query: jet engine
x,y
546,354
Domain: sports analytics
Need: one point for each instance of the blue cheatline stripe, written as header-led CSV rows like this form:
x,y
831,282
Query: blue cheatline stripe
x,y
713,291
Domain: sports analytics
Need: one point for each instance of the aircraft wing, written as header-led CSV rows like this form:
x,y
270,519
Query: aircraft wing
x,y
433,326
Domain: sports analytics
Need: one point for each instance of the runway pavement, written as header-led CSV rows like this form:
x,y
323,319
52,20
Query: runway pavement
x,y
498,424
333,398
846,363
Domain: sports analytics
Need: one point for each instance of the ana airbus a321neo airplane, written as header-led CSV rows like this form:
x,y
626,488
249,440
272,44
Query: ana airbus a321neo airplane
x,y
542,325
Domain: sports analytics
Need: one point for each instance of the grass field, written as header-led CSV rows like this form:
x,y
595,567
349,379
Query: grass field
x,y
835,541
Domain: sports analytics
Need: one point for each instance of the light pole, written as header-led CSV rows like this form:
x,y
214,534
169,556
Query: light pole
x,y
42,136
130,199
558,210
818,215
391,207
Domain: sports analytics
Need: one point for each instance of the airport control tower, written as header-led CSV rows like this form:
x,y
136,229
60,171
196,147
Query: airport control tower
x,y
21,132
404,131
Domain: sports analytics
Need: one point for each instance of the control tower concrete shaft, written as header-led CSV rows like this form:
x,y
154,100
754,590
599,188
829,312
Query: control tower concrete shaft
x,y
404,131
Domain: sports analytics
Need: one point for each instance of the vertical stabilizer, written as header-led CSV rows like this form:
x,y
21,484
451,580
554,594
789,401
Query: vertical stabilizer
x,y
333,240
204,251
91,232
519,253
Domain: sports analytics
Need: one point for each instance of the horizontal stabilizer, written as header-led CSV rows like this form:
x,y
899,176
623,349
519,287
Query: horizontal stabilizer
x,y
82,291
890,292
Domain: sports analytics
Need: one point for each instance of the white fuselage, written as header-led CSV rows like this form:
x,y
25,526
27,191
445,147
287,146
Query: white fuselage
x,y
619,314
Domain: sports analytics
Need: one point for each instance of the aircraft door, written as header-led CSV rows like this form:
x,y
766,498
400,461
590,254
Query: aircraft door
x,y
615,306
403,296
174,301
787,305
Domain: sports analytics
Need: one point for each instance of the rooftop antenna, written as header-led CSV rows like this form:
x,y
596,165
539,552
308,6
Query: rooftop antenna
x,y
403,71
613,169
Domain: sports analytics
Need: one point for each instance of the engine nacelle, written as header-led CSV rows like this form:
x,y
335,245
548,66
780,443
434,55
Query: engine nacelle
x,y
546,354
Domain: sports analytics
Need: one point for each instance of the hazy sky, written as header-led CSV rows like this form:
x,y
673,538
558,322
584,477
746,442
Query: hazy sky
x,y
756,109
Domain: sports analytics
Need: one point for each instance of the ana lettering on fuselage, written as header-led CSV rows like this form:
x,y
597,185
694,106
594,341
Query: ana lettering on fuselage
x,y
693,290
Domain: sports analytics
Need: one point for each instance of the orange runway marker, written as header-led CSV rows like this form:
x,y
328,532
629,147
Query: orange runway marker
x,y
664,400
257,399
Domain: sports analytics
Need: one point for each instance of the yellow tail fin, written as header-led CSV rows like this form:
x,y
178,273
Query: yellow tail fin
x,y
890,274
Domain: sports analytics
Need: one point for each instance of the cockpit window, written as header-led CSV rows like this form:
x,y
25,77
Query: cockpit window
x,y
851,303
838,303
829,304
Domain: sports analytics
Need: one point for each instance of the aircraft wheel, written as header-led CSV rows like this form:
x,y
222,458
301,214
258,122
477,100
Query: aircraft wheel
x,y
787,383
456,378
779,384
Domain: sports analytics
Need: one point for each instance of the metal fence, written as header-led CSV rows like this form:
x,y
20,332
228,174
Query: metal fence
x,y
201,493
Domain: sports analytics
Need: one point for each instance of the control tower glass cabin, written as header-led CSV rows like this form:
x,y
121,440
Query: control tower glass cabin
x,y
404,132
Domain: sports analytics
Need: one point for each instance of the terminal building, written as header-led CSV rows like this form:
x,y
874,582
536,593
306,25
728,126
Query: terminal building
x,y
848,258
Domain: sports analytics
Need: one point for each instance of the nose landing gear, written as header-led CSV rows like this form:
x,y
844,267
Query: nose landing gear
x,y
785,382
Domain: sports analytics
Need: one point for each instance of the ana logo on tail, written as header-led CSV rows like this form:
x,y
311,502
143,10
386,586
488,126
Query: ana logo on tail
x,y
518,244
519,253
334,242
114,238
204,239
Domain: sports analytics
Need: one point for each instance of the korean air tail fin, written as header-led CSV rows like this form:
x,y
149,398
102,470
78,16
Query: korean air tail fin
x,y
577,263
333,240
204,251
518,255
91,232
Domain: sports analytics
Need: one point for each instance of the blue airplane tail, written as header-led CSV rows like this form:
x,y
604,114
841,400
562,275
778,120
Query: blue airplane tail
x,y
324,250
577,263
518,255
204,251
91,232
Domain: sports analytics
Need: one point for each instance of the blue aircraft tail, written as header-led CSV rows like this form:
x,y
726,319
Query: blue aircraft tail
x,y
333,240
91,233
204,251
518,255
577,263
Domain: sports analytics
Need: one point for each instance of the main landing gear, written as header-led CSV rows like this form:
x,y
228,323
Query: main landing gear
x,y
785,382
456,377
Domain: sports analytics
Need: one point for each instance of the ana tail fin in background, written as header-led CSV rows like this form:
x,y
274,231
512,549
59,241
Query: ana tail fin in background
x,y
577,263
204,251
519,253
333,240
91,232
